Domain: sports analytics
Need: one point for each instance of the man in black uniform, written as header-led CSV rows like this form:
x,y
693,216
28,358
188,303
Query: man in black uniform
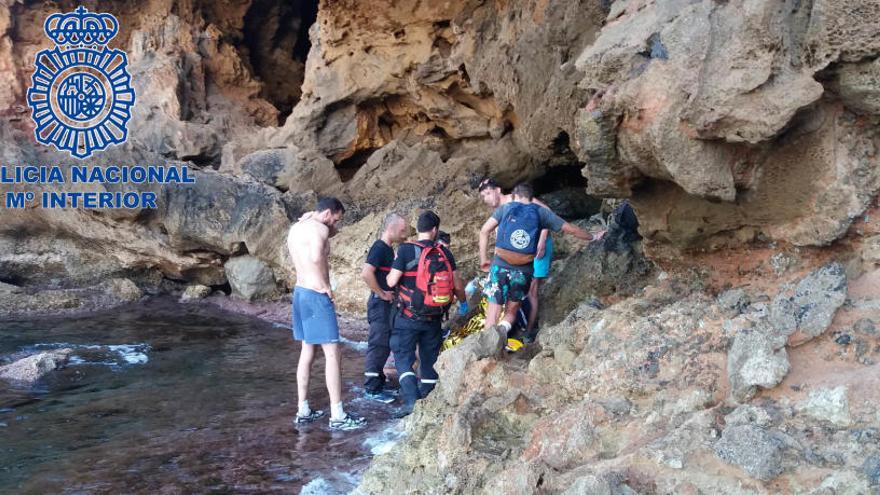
x,y
426,279
379,306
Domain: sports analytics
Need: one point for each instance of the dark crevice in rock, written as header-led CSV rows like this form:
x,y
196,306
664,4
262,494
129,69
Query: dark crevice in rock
x,y
656,49
348,167
561,144
204,160
561,177
224,288
563,189
11,278
563,156
276,40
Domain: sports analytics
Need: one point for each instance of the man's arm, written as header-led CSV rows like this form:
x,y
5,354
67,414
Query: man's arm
x,y
290,242
570,228
459,286
541,204
556,223
317,250
368,273
488,227
393,277
542,243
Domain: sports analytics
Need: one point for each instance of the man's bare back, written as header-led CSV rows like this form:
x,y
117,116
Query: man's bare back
x,y
309,245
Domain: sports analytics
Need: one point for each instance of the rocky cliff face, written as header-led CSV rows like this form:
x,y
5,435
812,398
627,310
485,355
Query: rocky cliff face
x,y
744,132
731,120
726,122
766,387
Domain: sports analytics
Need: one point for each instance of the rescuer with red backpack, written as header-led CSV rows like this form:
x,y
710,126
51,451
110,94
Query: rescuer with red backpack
x,y
425,278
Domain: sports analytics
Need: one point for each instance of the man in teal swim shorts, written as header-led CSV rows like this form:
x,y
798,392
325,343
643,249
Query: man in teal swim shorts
x,y
314,313
519,223
491,194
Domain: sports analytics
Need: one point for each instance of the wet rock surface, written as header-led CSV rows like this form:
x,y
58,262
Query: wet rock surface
x,y
28,370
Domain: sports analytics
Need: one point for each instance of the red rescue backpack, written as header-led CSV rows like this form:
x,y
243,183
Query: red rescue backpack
x,y
434,283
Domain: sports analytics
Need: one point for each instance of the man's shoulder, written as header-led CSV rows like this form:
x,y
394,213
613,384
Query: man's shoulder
x,y
310,225
501,210
536,201
380,249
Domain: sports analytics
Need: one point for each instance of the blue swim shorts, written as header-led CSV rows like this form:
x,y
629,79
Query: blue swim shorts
x,y
314,317
542,265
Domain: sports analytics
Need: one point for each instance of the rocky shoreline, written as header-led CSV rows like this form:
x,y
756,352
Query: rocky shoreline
x,y
351,325
736,351
19,303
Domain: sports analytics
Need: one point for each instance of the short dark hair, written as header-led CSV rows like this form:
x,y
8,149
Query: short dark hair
x,y
329,203
427,221
444,237
488,183
524,190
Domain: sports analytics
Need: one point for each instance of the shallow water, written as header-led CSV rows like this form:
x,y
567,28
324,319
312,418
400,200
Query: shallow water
x,y
195,400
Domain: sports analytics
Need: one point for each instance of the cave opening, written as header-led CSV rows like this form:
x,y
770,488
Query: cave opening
x,y
348,167
560,177
562,186
564,189
276,42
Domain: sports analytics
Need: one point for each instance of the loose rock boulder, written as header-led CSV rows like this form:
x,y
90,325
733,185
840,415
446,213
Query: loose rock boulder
x,y
755,361
27,371
827,404
753,449
291,169
250,278
808,306
194,292
122,289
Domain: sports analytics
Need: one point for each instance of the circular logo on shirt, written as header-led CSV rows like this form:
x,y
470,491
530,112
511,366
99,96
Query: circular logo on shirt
x,y
520,239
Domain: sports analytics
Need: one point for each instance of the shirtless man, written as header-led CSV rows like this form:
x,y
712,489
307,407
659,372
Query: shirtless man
x,y
314,314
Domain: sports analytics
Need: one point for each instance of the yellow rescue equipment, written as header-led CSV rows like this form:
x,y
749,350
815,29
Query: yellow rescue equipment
x,y
478,321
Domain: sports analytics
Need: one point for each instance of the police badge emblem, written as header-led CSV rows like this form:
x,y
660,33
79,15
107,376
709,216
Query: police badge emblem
x,y
81,94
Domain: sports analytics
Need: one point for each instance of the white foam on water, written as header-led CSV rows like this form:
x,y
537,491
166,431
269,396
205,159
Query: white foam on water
x,y
131,353
127,353
351,479
383,441
357,345
318,486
